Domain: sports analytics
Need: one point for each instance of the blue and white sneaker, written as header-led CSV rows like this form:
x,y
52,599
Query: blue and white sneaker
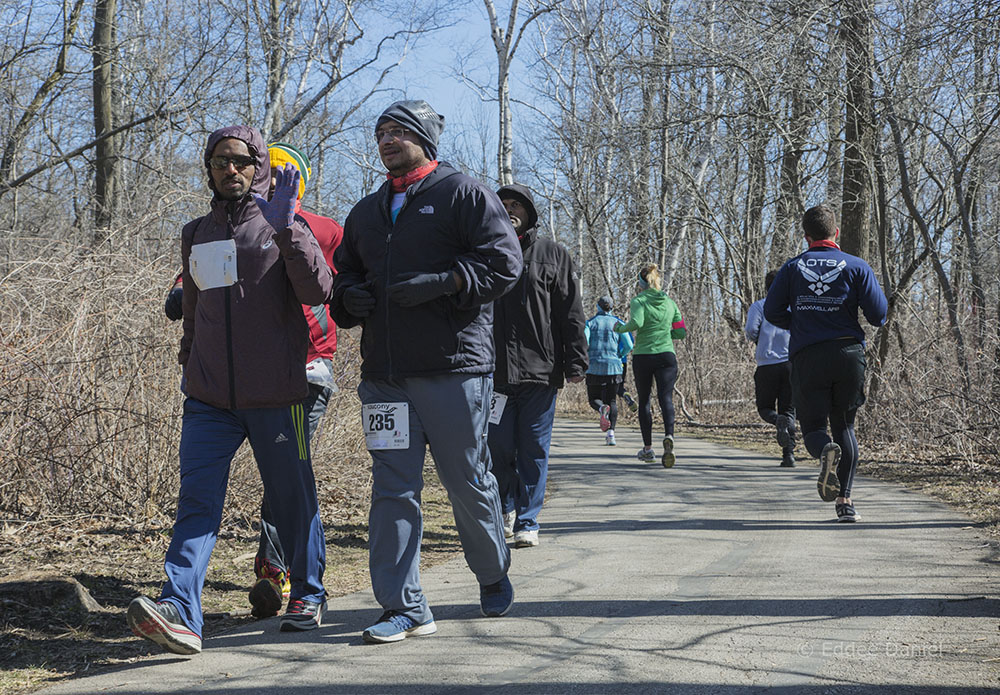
x,y
395,627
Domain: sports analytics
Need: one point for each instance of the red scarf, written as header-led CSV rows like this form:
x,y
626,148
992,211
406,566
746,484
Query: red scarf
x,y
824,244
401,183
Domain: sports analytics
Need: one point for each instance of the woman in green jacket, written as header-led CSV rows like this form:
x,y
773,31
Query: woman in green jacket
x,y
657,323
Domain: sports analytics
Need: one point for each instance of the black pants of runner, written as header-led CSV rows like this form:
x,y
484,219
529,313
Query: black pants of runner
x,y
621,382
661,368
828,384
773,391
601,390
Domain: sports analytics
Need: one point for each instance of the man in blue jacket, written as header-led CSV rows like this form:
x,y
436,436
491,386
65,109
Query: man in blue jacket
x,y
421,261
772,380
823,288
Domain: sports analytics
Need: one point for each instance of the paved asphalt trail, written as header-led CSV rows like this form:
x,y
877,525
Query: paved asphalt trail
x,y
723,575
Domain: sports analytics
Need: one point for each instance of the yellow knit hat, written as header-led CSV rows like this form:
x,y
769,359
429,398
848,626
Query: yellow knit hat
x,y
282,153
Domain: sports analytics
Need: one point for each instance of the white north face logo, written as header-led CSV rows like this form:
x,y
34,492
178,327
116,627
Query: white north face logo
x,y
280,438
427,210
819,284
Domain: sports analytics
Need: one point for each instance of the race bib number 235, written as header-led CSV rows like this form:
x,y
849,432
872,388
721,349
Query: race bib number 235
x,y
386,425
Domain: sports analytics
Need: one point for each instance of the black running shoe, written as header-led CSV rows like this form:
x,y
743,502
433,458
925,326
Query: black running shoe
x,y
302,615
783,432
846,513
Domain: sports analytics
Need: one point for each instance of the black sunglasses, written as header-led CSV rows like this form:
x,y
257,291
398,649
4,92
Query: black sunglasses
x,y
239,161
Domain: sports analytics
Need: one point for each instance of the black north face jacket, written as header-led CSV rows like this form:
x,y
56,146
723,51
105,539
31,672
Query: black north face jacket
x,y
538,325
449,221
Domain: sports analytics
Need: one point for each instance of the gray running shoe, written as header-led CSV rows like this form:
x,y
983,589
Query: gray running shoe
x,y
828,485
162,623
668,459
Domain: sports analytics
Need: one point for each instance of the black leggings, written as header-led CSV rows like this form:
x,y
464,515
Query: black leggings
x,y
842,428
662,367
604,394
621,384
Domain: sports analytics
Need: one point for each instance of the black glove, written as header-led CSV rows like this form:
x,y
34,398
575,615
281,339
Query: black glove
x,y
174,306
417,288
358,301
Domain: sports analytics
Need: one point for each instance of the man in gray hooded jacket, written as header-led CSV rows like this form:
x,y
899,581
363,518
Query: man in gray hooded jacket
x,y
248,266
420,264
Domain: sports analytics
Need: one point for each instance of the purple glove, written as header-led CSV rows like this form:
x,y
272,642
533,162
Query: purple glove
x,y
417,288
280,210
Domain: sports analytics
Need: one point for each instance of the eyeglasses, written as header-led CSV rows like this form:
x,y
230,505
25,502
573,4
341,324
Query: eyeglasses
x,y
239,161
393,133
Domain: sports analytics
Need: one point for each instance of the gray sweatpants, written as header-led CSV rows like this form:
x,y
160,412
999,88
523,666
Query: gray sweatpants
x,y
449,413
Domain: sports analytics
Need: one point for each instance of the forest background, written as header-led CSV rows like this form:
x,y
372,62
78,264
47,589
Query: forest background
x,y
687,133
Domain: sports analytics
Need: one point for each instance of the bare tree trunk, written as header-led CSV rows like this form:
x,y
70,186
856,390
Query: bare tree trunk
x,y
665,44
790,206
834,121
750,280
106,164
859,131
505,42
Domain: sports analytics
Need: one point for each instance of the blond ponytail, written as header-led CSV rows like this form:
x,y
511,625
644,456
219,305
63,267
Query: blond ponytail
x,y
650,276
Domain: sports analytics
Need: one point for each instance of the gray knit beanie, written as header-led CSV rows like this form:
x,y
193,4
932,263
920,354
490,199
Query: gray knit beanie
x,y
419,117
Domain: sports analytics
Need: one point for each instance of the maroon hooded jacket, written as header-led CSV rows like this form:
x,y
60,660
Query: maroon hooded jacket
x,y
244,345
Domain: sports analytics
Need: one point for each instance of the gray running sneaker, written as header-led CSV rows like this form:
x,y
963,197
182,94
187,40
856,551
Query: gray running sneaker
x,y
508,523
828,485
668,459
162,623
646,455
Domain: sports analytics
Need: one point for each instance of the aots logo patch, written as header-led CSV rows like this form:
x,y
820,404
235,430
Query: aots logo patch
x,y
820,283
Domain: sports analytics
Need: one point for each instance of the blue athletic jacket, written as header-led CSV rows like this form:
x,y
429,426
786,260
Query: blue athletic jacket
x,y
824,288
606,348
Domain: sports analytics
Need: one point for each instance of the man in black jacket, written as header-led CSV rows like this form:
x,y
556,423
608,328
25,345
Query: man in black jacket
x,y
420,264
539,334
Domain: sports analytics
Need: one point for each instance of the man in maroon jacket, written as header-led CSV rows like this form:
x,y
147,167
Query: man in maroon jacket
x,y
272,583
248,266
